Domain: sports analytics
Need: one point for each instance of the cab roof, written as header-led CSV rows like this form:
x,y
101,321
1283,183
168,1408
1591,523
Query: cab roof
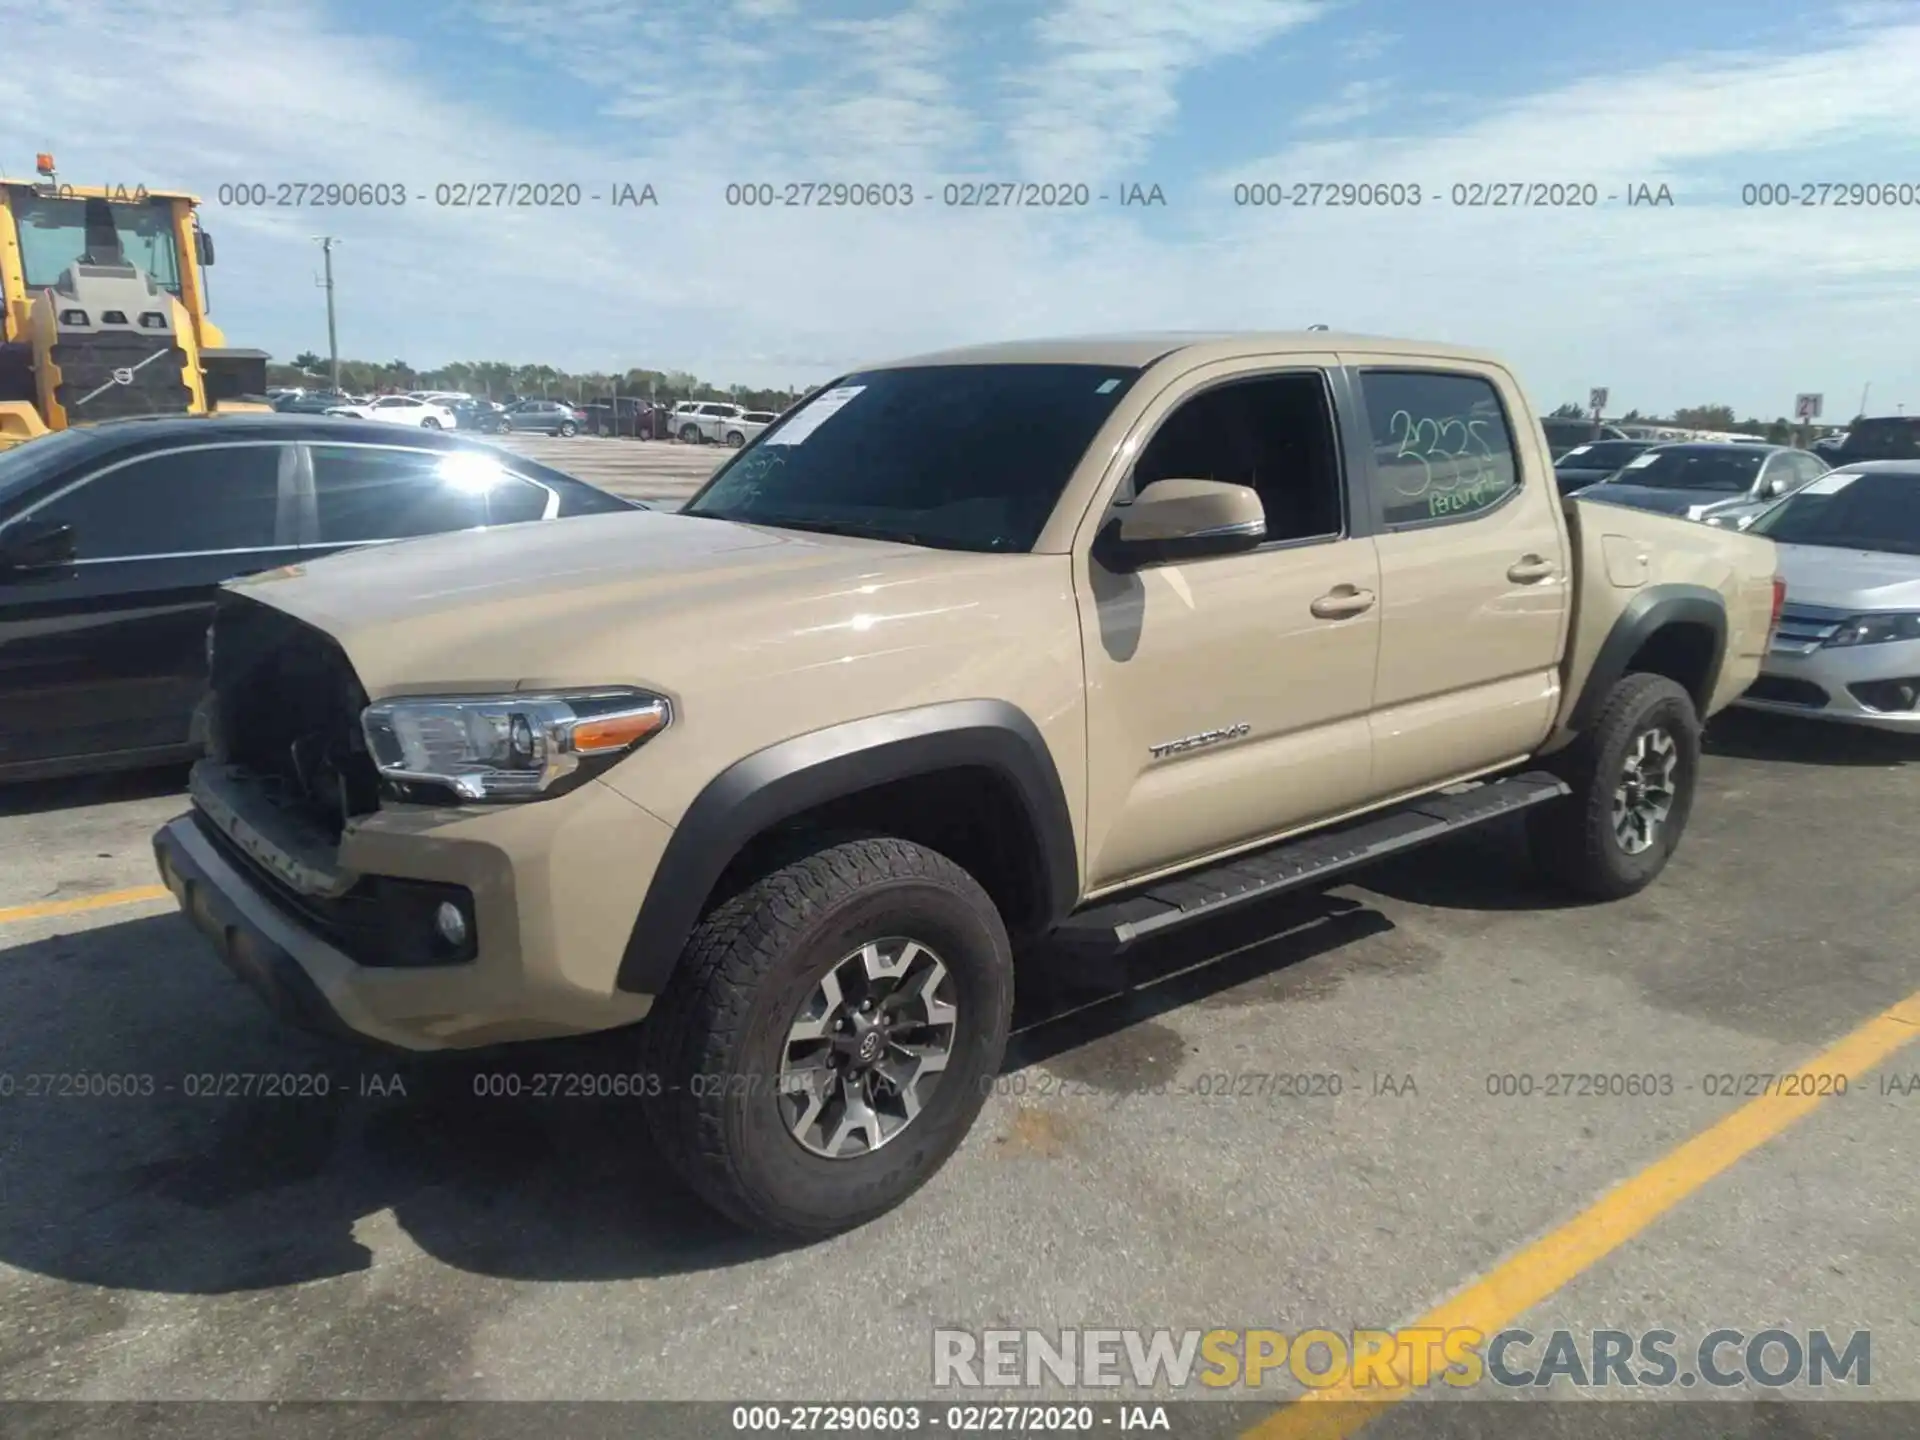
x,y
1138,349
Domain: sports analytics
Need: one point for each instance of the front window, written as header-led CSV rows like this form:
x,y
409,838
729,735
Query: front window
x,y
959,457
1849,511
53,236
1726,470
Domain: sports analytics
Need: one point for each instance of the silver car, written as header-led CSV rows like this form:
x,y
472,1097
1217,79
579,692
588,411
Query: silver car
x,y
1848,644
1711,480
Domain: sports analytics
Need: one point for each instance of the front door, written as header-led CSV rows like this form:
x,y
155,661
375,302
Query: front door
x,y
1227,698
107,656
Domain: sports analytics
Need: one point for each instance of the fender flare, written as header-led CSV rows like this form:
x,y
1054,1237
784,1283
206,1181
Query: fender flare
x,y
1648,611
796,775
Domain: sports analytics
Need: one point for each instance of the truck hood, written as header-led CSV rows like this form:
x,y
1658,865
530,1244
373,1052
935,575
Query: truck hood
x,y
1859,580
569,601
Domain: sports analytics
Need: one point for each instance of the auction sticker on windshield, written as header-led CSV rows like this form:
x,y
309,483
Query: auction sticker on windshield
x,y
1640,462
823,409
1830,484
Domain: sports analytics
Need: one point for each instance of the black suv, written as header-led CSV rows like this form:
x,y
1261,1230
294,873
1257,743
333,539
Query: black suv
x,y
1887,437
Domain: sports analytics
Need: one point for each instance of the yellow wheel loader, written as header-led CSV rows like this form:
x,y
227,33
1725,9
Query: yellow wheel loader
x,y
103,310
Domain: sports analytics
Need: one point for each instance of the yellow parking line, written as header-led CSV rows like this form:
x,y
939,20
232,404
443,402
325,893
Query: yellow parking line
x,y
1524,1280
41,910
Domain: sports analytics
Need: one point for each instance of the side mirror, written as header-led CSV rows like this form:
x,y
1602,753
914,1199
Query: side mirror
x,y
1182,520
203,247
1745,522
36,545
1769,489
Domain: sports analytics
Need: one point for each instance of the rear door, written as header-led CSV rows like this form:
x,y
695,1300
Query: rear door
x,y
107,656
1475,589
364,494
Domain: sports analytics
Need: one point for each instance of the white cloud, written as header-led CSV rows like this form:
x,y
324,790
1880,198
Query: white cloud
x,y
1108,72
1369,44
1667,306
1355,100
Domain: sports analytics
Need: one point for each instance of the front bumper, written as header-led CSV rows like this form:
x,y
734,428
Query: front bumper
x,y
556,886
1827,684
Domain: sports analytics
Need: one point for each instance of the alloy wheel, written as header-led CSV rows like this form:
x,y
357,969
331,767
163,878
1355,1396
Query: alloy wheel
x,y
867,1049
1644,798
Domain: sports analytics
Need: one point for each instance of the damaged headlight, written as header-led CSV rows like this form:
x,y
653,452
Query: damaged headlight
x,y
506,747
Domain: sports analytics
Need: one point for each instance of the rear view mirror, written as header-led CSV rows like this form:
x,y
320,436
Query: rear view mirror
x,y
1182,520
36,545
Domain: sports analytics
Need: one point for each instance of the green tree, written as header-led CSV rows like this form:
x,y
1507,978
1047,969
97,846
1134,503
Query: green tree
x,y
1705,417
1569,411
308,361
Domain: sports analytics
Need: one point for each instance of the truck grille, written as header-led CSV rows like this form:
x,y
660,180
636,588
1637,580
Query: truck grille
x,y
286,709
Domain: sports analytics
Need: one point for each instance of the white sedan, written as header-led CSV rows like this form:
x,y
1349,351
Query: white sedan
x,y
401,410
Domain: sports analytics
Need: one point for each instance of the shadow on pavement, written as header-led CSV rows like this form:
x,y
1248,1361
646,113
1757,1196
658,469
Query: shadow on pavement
x,y
164,1134
1787,739
31,797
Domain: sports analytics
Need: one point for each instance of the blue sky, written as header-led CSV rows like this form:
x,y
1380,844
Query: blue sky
x,y
1706,299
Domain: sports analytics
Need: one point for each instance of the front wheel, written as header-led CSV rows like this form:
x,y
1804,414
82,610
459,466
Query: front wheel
x,y
829,1036
1632,776
735,439
429,423
502,427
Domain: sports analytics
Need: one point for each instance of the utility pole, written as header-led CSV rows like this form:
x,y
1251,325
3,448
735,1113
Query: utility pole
x,y
1865,391
327,242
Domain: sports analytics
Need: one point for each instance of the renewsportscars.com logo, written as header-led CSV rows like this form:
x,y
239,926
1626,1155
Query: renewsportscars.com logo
x,y
1386,1360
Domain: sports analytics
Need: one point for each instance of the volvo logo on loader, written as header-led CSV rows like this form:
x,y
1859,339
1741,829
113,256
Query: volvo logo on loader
x,y
123,376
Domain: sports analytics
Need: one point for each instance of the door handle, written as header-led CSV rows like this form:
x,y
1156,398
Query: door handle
x,y
1530,568
1341,602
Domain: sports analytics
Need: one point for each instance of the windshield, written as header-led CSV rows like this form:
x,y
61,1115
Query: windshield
x,y
53,235
961,457
1850,511
1726,469
1605,455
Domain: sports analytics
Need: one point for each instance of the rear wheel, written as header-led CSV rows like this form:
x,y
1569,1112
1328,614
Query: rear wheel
x,y
567,427
690,434
429,423
736,439
1632,776
829,1035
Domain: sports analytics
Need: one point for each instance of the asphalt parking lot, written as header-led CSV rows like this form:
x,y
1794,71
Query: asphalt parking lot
x,y
402,1237
664,470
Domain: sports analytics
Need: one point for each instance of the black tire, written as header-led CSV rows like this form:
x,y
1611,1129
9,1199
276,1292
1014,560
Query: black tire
x,y
691,435
429,423
716,1035
1574,839
735,439
568,428
503,427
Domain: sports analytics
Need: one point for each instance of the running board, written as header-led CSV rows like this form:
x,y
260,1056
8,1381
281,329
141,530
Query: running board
x,y
1113,924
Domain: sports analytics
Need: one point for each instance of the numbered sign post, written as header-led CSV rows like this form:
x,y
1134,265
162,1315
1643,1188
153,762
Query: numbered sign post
x,y
1806,407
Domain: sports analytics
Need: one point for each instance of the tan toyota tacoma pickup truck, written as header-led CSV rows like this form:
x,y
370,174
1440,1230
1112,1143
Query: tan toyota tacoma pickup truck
x,y
1070,642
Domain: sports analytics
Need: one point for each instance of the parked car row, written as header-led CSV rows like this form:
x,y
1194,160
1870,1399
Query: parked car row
x,y
1846,521
114,538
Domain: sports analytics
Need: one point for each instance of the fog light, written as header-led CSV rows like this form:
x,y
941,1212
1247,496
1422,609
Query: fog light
x,y
451,925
